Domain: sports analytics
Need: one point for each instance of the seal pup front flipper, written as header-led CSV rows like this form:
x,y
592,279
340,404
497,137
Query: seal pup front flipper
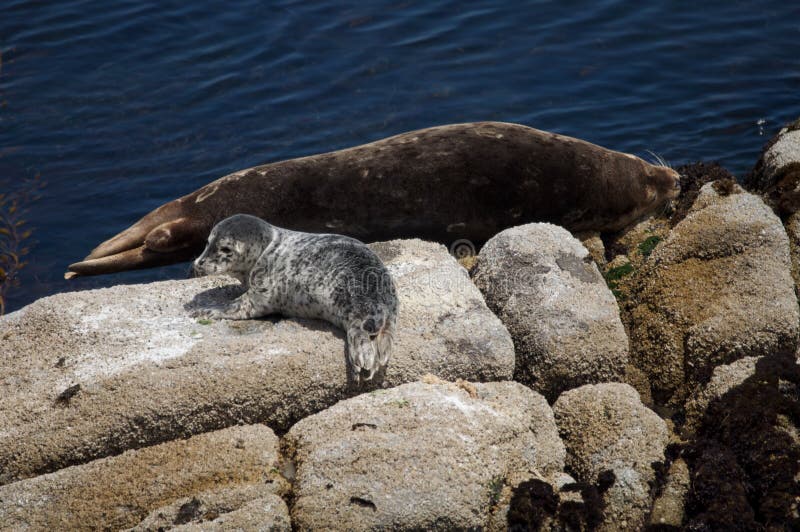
x,y
369,346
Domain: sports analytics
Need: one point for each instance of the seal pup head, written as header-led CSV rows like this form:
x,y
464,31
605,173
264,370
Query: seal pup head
x,y
234,246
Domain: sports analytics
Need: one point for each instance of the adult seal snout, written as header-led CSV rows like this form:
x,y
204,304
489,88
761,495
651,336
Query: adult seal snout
x,y
330,277
462,181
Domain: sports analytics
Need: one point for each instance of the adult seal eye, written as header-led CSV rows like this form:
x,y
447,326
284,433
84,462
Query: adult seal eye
x,y
225,249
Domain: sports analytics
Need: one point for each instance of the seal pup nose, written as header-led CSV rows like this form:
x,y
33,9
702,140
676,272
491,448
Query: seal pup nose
x,y
195,268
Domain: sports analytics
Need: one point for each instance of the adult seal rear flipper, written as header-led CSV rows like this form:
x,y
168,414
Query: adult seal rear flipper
x,y
150,242
132,259
136,234
445,183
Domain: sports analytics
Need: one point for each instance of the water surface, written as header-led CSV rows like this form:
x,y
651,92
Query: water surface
x,y
122,106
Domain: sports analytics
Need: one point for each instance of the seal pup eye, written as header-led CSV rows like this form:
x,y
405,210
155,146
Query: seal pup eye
x,y
225,249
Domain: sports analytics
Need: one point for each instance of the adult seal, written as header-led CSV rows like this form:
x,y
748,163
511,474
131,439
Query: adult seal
x,y
324,276
462,181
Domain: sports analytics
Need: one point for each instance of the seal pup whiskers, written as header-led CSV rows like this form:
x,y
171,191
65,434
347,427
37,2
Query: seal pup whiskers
x,y
325,276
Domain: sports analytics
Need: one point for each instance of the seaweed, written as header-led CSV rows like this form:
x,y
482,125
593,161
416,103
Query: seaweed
x,y
614,275
495,489
693,177
15,234
648,245
745,459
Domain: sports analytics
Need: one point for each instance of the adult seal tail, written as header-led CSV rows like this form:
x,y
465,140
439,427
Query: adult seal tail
x,y
330,277
460,181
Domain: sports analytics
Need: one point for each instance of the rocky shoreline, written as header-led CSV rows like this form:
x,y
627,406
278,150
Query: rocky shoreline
x,y
646,379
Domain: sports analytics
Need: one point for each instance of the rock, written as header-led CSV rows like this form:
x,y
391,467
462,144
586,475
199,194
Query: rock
x,y
693,177
744,457
777,173
91,374
564,320
635,244
717,289
261,514
636,378
119,491
245,506
718,498
669,506
556,506
609,434
724,379
594,245
420,456
792,226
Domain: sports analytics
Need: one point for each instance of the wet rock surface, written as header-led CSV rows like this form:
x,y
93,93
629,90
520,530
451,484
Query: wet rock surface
x,y
420,456
544,285
90,374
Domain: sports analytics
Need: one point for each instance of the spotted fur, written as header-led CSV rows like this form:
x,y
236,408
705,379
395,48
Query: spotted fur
x,y
330,277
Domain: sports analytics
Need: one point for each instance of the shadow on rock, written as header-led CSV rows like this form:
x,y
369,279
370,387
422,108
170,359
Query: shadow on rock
x,y
745,460
214,297
536,505
218,296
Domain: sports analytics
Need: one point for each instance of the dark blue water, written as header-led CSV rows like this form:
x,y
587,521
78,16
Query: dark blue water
x,y
124,105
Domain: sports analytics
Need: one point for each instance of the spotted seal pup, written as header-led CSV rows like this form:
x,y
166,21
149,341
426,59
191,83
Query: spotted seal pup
x,y
330,277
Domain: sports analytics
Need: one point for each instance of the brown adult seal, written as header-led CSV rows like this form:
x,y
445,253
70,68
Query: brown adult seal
x,y
460,181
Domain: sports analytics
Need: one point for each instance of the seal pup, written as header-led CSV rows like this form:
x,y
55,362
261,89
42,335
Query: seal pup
x,y
325,276
447,183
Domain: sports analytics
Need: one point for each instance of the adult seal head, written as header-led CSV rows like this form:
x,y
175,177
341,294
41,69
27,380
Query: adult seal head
x,y
462,181
330,277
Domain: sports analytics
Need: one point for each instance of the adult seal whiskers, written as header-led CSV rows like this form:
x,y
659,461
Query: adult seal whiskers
x,y
330,277
447,183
